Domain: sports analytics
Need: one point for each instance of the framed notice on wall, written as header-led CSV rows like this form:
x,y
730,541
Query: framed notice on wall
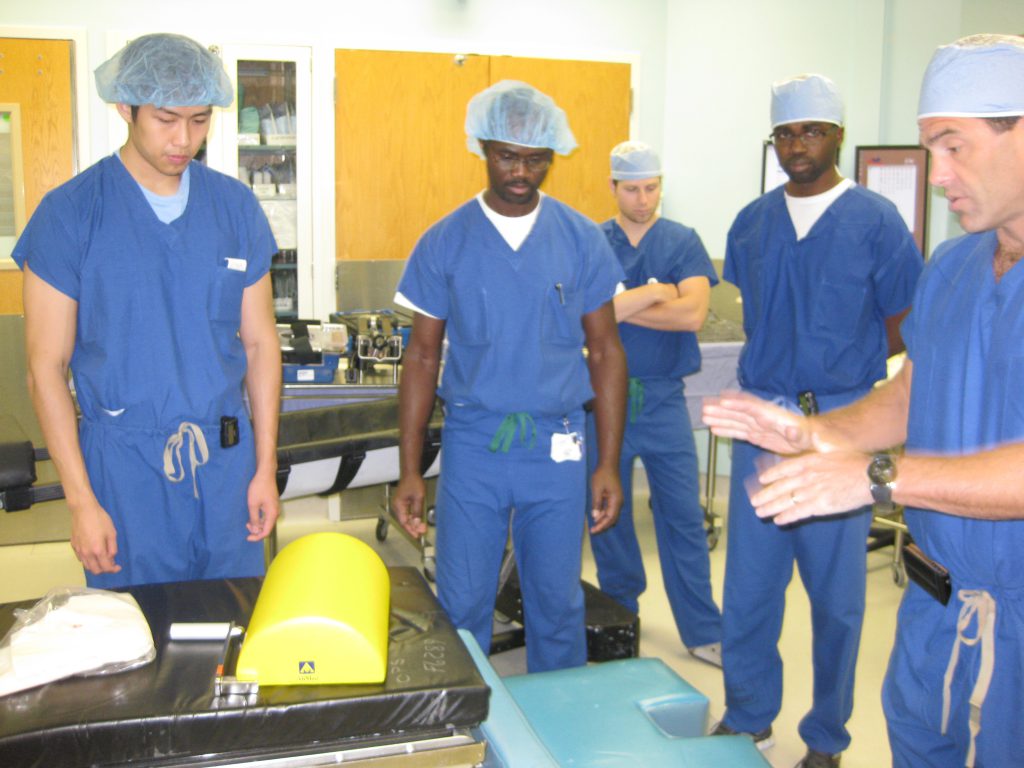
x,y
899,173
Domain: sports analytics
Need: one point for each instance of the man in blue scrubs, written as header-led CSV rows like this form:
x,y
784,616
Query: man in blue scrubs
x,y
954,692
826,270
147,276
668,290
519,283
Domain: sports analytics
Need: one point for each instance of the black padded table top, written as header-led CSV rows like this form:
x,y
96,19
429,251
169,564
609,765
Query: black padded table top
x,y
165,713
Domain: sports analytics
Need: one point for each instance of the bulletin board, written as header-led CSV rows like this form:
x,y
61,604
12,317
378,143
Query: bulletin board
x,y
899,173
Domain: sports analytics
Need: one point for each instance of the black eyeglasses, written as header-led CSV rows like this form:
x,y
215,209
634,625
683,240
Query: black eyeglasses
x,y
808,137
509,160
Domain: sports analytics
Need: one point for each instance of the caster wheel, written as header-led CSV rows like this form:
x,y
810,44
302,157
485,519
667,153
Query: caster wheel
x,y
382,529
712,538
899,575
431,515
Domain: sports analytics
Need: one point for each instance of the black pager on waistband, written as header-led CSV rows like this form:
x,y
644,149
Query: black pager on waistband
x,y
808,403
228,431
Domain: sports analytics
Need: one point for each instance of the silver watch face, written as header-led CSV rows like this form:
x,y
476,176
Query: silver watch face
x,y
882,470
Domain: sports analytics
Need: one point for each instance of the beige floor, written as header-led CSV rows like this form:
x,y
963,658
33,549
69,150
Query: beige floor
x,y
27,572
870,747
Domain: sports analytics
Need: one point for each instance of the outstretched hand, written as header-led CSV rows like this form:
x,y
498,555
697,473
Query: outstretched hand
x,y
745,417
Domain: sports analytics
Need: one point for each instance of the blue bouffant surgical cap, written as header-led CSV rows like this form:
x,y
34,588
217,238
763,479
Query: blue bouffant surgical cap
x,y
977,76
632,160
165,71
806,98
517,113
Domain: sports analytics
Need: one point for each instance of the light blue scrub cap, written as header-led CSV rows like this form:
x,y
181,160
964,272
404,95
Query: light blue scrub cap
x,y
806,98
977,76
632,160
165,71
517,113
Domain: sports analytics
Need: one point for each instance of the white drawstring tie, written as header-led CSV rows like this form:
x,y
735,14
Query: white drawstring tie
x,y
198,454
976,603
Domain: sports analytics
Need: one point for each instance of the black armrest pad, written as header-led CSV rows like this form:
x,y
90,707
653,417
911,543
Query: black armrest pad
x,y
17,459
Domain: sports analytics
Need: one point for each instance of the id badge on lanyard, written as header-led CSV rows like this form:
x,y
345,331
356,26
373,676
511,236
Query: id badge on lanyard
x,y
566,446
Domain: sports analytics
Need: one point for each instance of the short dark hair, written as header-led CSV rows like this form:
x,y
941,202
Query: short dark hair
x,y
135,111
1002,124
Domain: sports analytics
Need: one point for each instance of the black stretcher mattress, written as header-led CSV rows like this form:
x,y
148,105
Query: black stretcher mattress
x,y
164,713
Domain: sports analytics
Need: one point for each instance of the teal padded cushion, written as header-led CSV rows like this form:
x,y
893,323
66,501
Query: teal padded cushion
x,y
511,741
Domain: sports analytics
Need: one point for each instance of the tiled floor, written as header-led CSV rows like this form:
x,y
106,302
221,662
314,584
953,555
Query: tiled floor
x,y
27,572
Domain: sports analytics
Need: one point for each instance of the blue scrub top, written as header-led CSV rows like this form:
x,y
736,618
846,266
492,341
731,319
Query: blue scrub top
x,y
159,305
965,336
513,318
668,252
814,310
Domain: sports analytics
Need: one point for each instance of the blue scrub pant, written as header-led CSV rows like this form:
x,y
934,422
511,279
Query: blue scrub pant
x,y
477,492
164,533
662,437
912,694
830,554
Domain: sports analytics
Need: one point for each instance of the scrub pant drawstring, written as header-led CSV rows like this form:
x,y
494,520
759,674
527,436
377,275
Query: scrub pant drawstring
x,y
636,398
507,431
198,453
976,603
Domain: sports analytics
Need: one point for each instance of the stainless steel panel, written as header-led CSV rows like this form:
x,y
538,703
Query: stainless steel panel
x,y
363,285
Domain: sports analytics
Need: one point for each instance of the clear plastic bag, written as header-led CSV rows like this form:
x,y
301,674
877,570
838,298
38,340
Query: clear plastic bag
x,y
74,631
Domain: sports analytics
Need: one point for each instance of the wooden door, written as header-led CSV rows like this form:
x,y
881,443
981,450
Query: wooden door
x,y
400,151
37,75
400,143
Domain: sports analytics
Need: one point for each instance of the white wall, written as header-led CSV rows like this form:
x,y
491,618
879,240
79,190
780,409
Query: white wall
x,y
721,65
702,68
723,57
606,30
600,29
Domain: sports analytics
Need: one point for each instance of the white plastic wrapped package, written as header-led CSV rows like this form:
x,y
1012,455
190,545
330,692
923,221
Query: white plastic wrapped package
x,y
74,631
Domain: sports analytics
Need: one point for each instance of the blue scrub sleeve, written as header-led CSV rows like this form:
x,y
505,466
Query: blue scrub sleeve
x,y
898,266
603,271
694,261
50,247
729,273
423,281
909,326
261,245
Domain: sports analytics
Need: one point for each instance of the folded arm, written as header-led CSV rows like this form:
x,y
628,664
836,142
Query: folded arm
x,y
666,306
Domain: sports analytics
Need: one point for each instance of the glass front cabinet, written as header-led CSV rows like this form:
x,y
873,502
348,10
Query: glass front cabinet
x,y
264,140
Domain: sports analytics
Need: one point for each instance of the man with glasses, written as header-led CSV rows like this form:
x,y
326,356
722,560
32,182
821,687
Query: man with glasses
x,y
519,283
826,270
954,690
668,291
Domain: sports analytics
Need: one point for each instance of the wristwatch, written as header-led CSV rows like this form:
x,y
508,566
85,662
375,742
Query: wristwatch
x,y
882,474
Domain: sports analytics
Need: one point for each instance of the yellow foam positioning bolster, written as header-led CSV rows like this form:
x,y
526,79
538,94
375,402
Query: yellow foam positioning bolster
x,y
321,616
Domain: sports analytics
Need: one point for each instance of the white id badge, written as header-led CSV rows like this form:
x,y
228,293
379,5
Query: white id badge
x,y
565,447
